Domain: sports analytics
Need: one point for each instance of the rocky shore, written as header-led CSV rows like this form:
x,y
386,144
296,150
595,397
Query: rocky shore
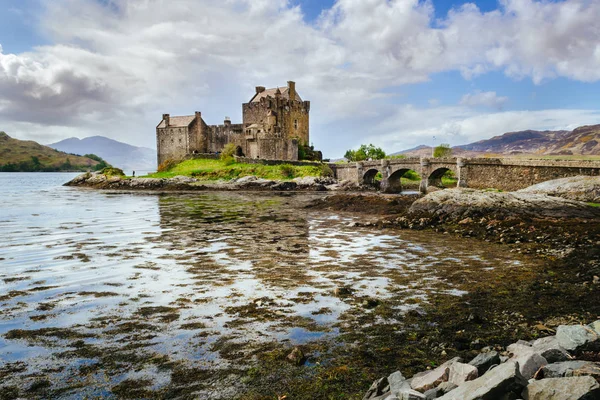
x,y
557,367
98,180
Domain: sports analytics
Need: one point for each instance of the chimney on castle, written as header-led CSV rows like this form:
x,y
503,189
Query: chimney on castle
x,y
227,121
260,89
198,116
292,90
167,119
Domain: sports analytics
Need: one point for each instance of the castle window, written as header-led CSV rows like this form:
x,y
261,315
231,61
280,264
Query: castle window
x,y
295,124
179,140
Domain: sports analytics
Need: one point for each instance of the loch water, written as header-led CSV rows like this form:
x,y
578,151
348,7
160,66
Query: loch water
x,y
166,280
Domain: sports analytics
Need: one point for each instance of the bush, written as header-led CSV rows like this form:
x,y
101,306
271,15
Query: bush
x,y
411,175
110,171
166,165
228,151
443,150
229,160
326,170
287,170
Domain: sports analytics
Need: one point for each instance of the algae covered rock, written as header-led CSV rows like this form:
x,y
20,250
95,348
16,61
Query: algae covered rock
x,y
458,204
581,188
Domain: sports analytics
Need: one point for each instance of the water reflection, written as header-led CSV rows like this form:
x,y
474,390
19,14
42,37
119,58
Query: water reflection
x,y
201,279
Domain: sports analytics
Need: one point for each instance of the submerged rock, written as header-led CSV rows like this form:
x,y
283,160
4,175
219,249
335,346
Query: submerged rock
x,y
581,188
459,204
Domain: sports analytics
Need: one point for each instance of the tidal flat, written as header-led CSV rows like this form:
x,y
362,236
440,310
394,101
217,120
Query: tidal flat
x,y
121,295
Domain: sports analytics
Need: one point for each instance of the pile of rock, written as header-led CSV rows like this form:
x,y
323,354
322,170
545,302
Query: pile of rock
x,y
581,188
545,368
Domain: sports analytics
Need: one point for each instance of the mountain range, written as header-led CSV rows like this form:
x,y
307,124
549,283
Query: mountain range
x,y
118,154
584,140
27,155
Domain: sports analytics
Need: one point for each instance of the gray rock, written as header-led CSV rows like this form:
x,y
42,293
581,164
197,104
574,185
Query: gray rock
x,y
576,338
430,379
460,373
529,363
571,368
595,326
461,203
284,186
378,388
497,382
550,349
581,188
398,383
573,388
484,361
439,391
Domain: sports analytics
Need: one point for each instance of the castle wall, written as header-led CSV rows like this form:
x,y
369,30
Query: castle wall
x,y
172,143
219,135
297,112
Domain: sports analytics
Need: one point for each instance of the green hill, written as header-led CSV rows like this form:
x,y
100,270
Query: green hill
x,y
26,155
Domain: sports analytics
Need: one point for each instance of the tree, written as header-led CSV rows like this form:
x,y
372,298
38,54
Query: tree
x,y
365,152
443,150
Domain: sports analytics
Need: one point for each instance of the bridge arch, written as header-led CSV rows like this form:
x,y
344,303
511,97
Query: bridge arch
x,y
435,177
394,181
368,177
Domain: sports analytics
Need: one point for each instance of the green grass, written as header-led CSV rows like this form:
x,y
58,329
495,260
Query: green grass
x,y
211,170
594,204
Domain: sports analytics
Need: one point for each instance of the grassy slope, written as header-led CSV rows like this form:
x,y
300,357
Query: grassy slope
x,y
217,169
16,151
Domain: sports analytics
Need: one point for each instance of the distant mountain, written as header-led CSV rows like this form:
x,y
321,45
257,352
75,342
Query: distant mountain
x,y
118,154
27,155
584,140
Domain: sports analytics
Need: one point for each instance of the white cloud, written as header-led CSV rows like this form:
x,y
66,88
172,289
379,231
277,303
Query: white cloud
x,y
114,69
487,99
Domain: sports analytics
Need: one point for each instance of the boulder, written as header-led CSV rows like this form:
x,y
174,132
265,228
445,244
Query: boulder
x,y
573,388
430,379
581,188
497,382
400,387
439,391
570,368
549,348
461,373
282,186
484,361
575,338
461,203
378,388
529,364
595,326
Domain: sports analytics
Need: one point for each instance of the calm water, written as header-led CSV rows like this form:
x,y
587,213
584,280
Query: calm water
x,y
88,275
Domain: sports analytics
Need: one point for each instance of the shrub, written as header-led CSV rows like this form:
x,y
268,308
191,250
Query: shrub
x,y
411,175
110,171
166,165
287,170
227,160
326,170
228,151
443,150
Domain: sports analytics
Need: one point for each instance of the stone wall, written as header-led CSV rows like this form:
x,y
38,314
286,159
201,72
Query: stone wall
x,y
518,174
172,143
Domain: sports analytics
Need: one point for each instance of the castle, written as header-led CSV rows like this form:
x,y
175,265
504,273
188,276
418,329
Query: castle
x,y
275,123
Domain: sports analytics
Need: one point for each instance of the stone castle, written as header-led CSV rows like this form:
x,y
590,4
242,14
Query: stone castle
x,y
274,124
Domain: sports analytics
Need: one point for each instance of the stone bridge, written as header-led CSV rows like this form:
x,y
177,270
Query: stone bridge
x,y
500,173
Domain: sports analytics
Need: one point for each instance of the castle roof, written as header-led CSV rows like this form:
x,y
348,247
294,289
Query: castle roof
x,y
285,94
178,122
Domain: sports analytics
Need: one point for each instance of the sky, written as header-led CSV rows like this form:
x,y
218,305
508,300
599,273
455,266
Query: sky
x,y
394,73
